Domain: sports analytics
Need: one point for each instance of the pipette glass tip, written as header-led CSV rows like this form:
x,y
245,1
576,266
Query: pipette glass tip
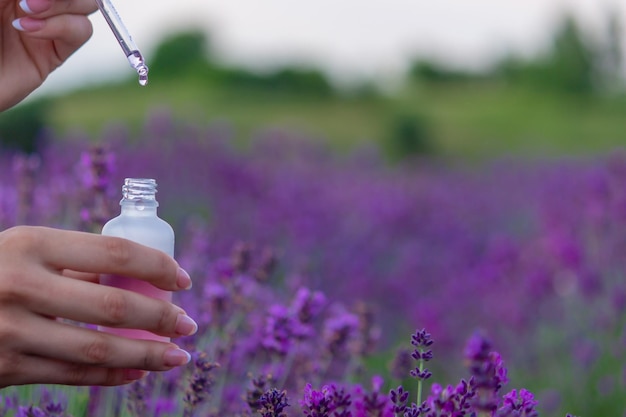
x,y
123,37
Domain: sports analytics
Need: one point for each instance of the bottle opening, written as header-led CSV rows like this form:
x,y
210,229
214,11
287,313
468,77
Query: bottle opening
x,y
139,189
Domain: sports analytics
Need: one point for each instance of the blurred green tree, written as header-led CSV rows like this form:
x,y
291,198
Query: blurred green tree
x,y
189,54
573,63
181,53
283,81
570,65
431,71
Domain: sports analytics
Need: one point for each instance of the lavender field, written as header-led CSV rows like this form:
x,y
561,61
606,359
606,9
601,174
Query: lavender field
x,y
314,273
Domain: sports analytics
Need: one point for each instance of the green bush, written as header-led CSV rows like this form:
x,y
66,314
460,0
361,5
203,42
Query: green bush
x,y
409,136
21,126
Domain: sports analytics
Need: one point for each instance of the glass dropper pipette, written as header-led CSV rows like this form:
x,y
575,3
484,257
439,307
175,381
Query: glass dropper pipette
x,y
124,39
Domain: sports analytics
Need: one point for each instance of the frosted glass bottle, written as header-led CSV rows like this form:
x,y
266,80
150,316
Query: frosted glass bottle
x,y
138,221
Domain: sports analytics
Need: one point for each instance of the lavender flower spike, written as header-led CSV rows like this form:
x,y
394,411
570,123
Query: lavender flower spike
x,y
518,405
488,372
273,403
316,403
422,340
200,385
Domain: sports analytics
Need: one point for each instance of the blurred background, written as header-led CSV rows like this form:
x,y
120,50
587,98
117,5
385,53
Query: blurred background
x,y
532,93
464,79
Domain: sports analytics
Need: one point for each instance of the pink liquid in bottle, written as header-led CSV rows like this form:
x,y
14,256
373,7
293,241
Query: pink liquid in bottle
x,y
140,287
138,221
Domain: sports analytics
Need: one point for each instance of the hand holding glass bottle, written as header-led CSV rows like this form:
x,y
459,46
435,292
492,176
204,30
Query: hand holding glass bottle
x,y
138,221
47,274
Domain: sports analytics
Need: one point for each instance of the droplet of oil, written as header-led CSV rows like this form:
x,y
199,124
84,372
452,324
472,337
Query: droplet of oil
x,y
137,62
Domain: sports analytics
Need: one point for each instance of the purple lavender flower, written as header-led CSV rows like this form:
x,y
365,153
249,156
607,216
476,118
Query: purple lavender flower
x,y
516,404
307,304
200,385
54,409
273,403
339,331
416,410
26,168
399,397
137,401
267,266
422,353
487,370
165,406
422,341
401,364
259,387
331,400
241,257
341,401
279,330
372,403
450,401
217,302
31,411
97,166
368,333
95,169
316,403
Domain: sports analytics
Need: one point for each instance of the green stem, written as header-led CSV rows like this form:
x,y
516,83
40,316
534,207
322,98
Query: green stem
x,y
420,383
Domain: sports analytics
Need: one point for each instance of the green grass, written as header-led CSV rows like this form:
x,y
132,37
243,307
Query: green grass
x,y
467,120
341,121
490,119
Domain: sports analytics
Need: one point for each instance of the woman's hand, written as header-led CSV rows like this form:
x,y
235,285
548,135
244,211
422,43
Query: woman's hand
x,y
36,37
48,274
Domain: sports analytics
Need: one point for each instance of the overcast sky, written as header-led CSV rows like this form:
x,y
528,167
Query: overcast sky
x,y
347,38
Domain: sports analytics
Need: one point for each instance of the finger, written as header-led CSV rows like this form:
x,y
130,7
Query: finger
x,y
38,370
107,306
47,8
87,252
78,345
68,32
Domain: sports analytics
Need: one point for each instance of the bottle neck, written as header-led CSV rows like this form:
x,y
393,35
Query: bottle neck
x,y
139,196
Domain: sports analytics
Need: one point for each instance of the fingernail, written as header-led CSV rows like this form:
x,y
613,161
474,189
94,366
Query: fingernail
x,y
28,24
17,24
183,280
185,326
176,357
134,374
34,6
24,6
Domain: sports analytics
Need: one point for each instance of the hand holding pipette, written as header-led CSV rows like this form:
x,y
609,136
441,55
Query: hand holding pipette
x,y
36,37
